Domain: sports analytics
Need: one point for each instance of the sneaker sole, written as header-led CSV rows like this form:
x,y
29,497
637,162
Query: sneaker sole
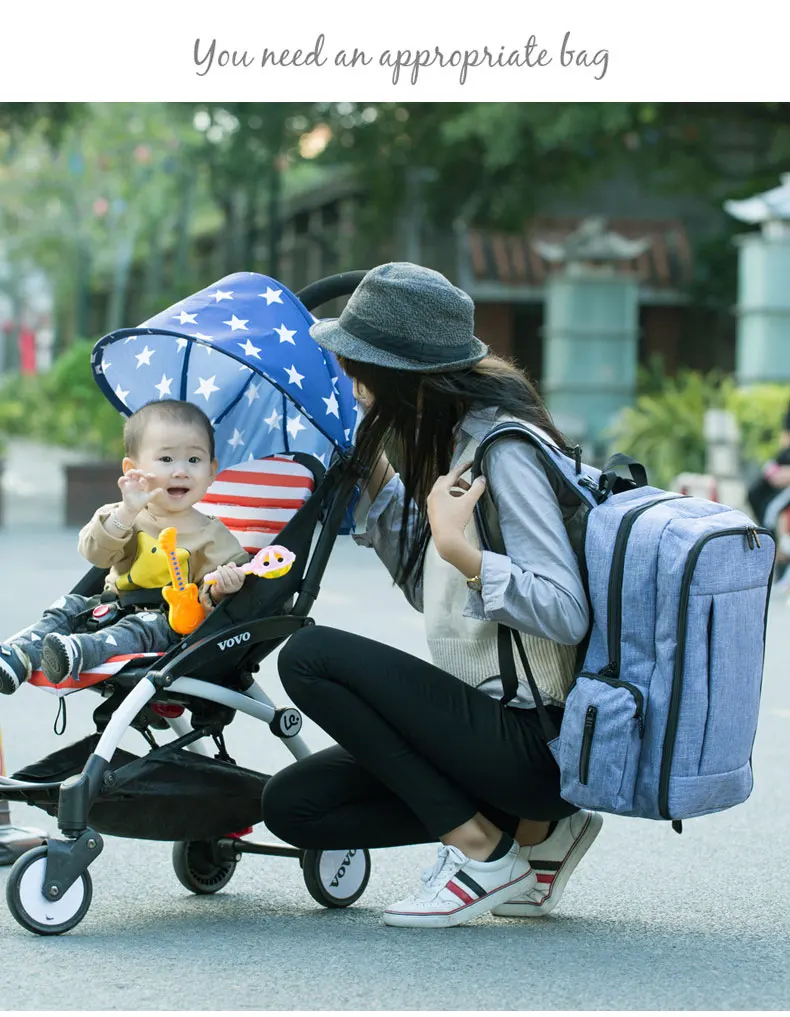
x,y
55,662
465,913
9,680
579,850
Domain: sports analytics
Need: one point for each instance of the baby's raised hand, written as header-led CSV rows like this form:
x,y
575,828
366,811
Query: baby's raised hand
x,y
137,489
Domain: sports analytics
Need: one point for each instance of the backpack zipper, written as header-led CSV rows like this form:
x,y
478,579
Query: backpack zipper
x,y
584,754
752,538
616,578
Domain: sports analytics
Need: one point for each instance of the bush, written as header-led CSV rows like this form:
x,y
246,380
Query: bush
x,y
664,429
63,407
759,410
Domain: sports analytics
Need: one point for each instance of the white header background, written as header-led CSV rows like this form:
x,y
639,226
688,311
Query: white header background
x,y
144,50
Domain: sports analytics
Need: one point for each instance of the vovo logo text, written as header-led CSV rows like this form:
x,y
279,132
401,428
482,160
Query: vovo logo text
x,y
343,866
231,641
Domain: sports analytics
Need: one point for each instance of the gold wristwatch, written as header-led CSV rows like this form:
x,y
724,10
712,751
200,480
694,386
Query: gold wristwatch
x,y
475,583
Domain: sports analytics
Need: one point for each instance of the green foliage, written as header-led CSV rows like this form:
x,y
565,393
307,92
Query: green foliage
x,y
63,407
135,201
759,410
52,117
509,157
106,196
664,429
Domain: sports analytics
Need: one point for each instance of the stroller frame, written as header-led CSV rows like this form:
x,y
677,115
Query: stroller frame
x,y
213,665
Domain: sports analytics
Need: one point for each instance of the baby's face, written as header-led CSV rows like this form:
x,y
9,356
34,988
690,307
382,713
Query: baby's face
x,y
178,456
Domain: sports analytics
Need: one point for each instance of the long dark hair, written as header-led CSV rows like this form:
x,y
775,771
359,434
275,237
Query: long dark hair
x,y
415,415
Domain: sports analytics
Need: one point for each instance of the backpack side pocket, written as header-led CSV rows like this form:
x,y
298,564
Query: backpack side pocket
x,y
600,743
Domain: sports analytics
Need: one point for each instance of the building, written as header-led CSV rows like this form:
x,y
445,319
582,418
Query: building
x,y
324,229
321,234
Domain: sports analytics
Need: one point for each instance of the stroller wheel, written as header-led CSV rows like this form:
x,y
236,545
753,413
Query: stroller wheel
x,y
336,878
36,912
200,868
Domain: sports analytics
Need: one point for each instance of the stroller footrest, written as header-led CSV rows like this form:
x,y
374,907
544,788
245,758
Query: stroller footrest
x,y
95,676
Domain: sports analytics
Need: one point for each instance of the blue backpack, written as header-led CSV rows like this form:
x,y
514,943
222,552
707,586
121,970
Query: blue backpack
x,y
661,718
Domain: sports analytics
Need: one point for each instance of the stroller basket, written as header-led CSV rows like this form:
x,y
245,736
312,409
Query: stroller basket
x,y
170,794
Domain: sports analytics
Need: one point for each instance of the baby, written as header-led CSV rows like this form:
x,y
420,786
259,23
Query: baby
x,y
167,470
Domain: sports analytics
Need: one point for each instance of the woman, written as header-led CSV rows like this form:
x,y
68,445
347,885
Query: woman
x,y
429,751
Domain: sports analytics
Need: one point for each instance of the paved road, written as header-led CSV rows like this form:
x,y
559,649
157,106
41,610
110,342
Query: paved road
x,y
650,920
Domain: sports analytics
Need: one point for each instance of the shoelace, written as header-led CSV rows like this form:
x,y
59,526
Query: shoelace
x,y
449,860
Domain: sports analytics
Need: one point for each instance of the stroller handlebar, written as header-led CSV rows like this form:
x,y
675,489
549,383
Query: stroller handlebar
x,y
340,285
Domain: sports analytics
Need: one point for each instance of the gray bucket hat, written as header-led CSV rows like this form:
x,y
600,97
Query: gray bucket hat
x,y
406,317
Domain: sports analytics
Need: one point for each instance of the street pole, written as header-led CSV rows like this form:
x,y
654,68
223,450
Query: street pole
x,y
763,311
591,331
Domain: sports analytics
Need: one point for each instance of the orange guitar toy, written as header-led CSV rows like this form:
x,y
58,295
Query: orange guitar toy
x,y
185,611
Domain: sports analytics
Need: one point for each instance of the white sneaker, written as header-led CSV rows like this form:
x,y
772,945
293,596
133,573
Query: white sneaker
x,y
553,860
458,889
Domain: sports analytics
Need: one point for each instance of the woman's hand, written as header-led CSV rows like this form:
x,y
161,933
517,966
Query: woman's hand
x,y
137,489
450,506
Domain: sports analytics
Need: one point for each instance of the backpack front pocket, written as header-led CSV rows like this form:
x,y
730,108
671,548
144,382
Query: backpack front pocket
x,y
600,742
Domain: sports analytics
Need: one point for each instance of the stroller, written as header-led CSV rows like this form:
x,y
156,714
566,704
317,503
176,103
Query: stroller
x,y
284,417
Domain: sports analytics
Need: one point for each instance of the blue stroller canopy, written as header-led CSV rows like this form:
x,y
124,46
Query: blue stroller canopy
x,y
240,350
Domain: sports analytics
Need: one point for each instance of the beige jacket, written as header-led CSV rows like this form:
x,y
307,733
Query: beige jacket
x,y
136,561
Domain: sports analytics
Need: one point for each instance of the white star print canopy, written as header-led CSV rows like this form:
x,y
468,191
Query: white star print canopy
x,y
241,351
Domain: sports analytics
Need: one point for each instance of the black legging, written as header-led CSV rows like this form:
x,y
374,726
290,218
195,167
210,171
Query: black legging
x,y
419,752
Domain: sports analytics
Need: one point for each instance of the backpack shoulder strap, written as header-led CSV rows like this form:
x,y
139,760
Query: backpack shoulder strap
x,y
568,471
516,429
572,483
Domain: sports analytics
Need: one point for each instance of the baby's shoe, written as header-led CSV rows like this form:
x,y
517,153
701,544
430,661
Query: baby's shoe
x,y
61,657
14,668
553,860
458,889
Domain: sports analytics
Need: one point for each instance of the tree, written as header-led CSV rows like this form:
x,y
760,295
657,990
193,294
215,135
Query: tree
x,y
497,164
94,203
498,160
52,117
248,147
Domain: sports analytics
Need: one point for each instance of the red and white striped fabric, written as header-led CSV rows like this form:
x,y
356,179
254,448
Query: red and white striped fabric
x,y
257,498
254,500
